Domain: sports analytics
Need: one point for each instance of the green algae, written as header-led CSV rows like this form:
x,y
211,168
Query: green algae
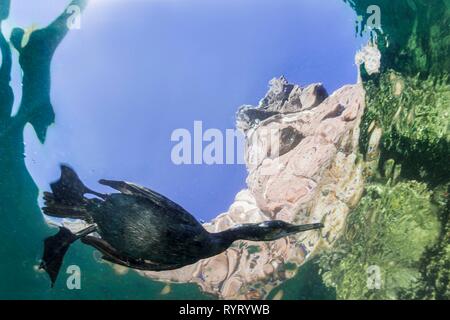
x,y
253,249
414,117
414,36
401,223
434,265
391,228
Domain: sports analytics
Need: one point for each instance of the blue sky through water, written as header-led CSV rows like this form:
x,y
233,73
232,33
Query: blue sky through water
x,y
137,70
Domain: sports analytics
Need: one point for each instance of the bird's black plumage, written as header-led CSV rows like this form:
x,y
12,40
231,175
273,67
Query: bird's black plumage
x,y
140,228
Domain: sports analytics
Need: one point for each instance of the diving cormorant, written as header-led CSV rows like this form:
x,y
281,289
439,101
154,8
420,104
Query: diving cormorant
x,y
139,228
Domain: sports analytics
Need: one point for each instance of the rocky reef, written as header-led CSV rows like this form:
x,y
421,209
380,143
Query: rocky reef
x,y
303,167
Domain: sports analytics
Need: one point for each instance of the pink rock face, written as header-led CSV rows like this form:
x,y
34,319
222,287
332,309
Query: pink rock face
x,y
295,178
301,153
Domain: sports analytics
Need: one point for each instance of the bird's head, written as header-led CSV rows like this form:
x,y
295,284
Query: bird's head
x,y
277,229
264,231
270,230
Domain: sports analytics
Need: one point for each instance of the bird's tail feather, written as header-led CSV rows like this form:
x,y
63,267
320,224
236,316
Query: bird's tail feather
x,y
67,198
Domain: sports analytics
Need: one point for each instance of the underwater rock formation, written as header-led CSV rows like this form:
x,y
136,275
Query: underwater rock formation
x,y
301,155
399,146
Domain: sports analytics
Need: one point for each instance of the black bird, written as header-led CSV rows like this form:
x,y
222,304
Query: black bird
x,y
139,228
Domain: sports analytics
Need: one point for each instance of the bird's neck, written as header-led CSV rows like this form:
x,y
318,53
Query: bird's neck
x,y
221,241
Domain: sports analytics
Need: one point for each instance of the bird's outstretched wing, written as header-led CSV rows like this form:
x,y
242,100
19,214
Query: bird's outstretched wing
x,y
136,190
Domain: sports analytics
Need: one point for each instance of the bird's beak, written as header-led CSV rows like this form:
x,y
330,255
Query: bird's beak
x,y
305,227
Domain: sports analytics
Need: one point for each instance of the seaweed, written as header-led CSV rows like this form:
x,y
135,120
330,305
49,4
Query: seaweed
x,y
400,225
414,37
413,115
391,229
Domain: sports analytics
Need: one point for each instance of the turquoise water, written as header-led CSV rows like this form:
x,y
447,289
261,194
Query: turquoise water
x,y
22,227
